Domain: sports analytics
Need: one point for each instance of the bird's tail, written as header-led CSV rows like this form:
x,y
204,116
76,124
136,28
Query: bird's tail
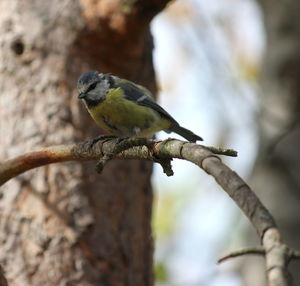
x,y
187,134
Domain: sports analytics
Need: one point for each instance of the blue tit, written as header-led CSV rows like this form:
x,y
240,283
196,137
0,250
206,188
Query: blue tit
x,y
125,109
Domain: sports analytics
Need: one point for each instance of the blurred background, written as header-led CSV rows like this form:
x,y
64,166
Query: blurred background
x,y
209,61
229,70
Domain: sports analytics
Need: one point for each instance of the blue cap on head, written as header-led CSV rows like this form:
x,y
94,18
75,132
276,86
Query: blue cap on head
x,y
87,76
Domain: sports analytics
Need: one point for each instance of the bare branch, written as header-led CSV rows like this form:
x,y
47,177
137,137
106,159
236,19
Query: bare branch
x,y
277,258
277,253
81,151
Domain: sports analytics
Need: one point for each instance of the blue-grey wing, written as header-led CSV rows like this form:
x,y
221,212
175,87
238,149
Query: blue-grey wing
x,y
142,96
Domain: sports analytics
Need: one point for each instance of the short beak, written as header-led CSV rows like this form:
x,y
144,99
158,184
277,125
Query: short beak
x,y
81,95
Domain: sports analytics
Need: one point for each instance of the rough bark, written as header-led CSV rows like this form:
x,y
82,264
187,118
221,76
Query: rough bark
x,y
64,224
276,174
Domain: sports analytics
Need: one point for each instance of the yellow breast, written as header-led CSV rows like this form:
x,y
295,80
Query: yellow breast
x,y
120,117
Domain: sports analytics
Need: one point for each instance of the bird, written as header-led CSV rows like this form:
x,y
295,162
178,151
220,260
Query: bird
x,y
123,109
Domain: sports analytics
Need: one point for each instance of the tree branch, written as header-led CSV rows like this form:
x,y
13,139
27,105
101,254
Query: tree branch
x,y
277,253
242,252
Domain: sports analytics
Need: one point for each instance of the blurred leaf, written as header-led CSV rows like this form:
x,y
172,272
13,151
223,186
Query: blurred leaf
x,y
161,272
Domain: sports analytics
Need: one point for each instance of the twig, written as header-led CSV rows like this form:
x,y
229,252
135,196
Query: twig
x,y
241,252
221,151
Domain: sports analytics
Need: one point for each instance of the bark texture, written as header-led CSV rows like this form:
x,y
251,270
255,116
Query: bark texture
x,y
64,224
276,174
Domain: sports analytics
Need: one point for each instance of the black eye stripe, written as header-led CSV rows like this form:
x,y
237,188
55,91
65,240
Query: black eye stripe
x,y
91,87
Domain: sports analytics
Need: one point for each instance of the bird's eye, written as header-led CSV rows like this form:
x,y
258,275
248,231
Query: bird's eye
x,y
91,87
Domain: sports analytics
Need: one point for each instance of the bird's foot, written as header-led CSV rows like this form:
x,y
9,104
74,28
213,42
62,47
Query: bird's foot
x,y
92,142
121,145
121,139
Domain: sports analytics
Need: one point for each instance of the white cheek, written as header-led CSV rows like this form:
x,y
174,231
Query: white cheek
x,y
94,95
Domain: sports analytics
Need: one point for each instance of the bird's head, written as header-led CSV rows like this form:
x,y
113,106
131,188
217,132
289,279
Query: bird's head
x,y
93,87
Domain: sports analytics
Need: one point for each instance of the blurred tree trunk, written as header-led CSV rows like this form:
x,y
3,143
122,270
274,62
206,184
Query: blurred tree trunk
x,y
64,224
276,175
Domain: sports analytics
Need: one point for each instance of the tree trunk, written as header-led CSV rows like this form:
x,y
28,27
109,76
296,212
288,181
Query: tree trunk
x,y
64,224
276,175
